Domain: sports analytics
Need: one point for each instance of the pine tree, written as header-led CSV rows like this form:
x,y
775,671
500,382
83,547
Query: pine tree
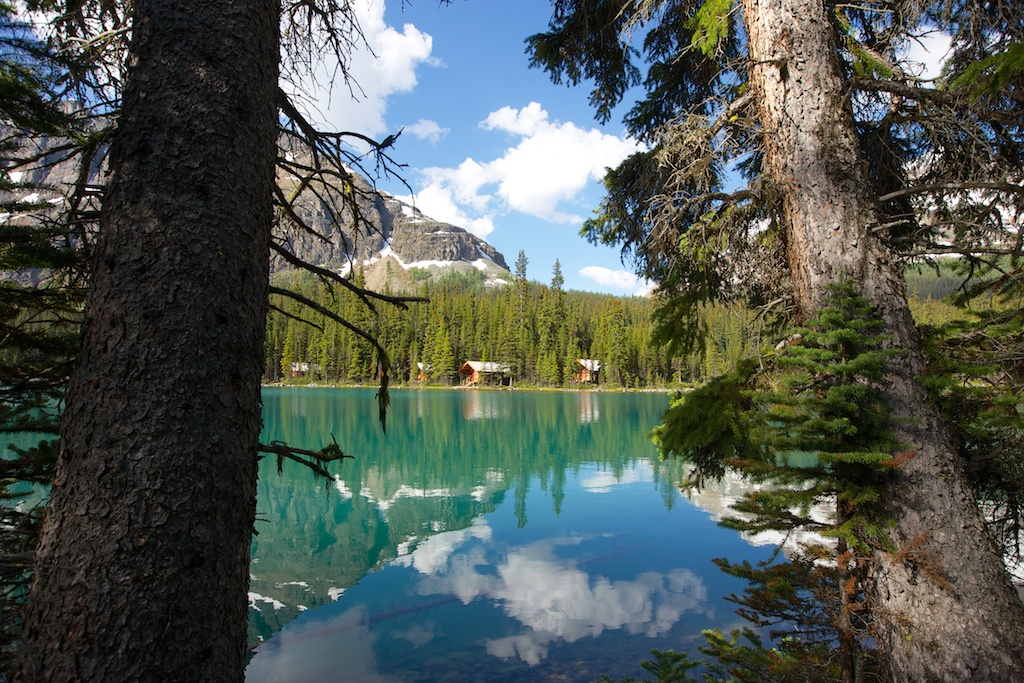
x,y
790,93
38,317
519,325
815,397
549,372
182,265
611,342
975,374
442,359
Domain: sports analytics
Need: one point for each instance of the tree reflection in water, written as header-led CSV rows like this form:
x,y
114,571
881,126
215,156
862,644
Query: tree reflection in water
x,y
521,535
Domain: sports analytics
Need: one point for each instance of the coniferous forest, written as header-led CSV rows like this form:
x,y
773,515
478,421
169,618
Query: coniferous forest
x,y
795,165
539,330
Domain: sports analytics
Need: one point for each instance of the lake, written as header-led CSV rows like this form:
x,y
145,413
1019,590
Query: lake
x,y
488,536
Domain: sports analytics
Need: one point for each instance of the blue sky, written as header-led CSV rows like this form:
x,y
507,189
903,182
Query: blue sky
x,y
491,145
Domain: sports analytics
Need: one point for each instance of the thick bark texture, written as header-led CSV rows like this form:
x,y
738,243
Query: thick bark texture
x,y
143,569
945,607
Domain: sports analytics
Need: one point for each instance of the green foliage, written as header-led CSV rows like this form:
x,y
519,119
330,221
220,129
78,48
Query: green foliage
x,y
38,314
670,207
973,351
812,395
546,327
785,597
667,667
866,62
993,74
825,403
948,159
442,360
710,425
543,329
710,26
743,657
470,279
31,72
419,274
936,280
976,374
807,424
605,61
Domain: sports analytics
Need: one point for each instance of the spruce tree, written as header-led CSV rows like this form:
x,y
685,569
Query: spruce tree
x,y
40,298
850,167
808,427
442,359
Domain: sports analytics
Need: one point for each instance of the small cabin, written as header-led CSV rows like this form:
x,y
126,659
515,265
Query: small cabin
x,y
424,371
476,372
301,368
587,371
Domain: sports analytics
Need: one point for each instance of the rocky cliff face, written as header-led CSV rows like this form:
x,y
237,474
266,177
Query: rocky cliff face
x,y
390,234
391,239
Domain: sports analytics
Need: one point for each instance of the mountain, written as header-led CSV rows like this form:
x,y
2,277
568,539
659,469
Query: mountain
x,y
394,239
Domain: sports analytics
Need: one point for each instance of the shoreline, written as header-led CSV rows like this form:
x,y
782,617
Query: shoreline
x,y
435,387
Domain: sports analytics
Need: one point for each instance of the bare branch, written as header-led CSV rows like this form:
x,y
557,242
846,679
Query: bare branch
x,y
953,187
383,398
936,249
296,318
905,90
314,460
364,294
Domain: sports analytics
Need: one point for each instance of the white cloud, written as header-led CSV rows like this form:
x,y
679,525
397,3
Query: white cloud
x,y
463,184
646,288
619,279
386,65
553,599
437,202
552,163
425,129
434,554
604,481
525,121
927,54
303,651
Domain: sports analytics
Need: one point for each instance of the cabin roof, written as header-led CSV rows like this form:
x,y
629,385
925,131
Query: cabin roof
x,y
484,367
589,364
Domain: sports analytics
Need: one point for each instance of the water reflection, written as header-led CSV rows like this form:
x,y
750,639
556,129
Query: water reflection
x,y
514,535
549,592
603,481
544,589
484,405
589,410
718,497
309,653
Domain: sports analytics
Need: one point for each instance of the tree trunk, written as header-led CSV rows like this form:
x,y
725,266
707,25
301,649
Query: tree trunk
x,y
143,568
944,606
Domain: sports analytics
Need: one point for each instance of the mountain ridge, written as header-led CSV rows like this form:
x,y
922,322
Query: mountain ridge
x,y
344,225
383,234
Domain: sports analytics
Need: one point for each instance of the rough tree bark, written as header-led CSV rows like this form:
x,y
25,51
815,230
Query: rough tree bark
x,y
946,609
143,568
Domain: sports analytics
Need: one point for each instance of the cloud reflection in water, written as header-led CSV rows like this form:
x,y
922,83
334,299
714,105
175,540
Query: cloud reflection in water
x,y
548,592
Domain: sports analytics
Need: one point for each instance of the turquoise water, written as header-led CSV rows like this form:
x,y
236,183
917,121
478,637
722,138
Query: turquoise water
x,y
488,536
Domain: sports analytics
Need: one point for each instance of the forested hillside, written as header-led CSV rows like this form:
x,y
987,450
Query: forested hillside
x,y
538,329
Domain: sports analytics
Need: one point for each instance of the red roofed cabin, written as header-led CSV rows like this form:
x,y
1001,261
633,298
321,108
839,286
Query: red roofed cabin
x,y
587,370
485,372
424,371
